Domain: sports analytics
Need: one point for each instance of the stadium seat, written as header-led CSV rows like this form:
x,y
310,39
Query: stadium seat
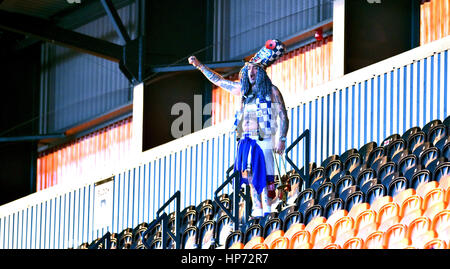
x,y
420,178
332,246
376,196
257,246
301,240
401,196
411,209
408,165
446,150
353,164
429,158
376,158
446,122
305,200
189,216
343,230
290,216
125,239
435,243
137,236
333,170
410,132
256,240
325,193
329,159
434,202
438,135
354,200
396,237
234,240
366,149
366,223
293,229
442,175
374,241
313,217
206,238
189,238
416,142
322,235
317,178
441,224
114,240
296,185
397,186
280,243
365,177
205,209
419,231
342,184
430,125
344,156
395,149
384,171
357,209
354,243
334,210
388,215
224,228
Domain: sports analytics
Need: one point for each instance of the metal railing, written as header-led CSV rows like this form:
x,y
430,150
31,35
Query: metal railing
x,y
307,141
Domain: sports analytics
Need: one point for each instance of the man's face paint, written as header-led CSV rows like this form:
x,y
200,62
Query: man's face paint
x,y
252,72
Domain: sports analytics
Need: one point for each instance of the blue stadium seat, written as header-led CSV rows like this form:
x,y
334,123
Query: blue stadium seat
x,y
333,206
125,239
329,160
137,236
365,176
376,157
446,122
388,141
353,199
305,200
189,216
421,176
430,125
189,238
290,216
395,149
206,238
429,158
333,170
365,151
416,142
271,224
446,150
233,238
313,212
408,165
317,178
438,135
325,193
397,185
441,171
375,192
343,183
406,135
353,164
386,170
344,156
224,227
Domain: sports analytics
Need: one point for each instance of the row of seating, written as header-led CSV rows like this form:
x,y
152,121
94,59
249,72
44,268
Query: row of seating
x,y
397,176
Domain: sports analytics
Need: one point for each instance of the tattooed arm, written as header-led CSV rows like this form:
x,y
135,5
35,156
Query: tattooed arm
x,y
228,85
277,99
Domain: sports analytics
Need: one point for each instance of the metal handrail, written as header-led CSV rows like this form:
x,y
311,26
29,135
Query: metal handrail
x,y
164,217
307,136
106,237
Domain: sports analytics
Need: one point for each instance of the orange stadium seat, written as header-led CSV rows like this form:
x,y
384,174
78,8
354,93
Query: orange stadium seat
x,y
294,228
396,237
402,196
358,209
434,202
343,230
366,223
332,246
301,240
273,236
354,243
314,223
388,215
435,244
374,241
260,246
322,235
411,209
253,242
419,232
424,188
441,224
280,243
380,202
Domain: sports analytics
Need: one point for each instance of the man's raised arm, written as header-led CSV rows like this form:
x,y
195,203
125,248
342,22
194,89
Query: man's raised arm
x,y
228,85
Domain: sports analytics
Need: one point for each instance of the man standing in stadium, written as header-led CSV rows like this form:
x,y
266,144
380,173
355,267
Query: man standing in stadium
x,y
256,123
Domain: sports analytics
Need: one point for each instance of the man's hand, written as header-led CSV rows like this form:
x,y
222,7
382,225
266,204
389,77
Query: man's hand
x,y
279,147
193,60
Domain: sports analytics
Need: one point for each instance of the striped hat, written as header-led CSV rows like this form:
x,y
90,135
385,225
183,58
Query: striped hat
x,y
268,54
